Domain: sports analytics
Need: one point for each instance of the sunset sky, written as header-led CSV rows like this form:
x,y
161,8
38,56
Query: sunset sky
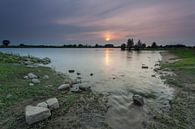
x,y
59,21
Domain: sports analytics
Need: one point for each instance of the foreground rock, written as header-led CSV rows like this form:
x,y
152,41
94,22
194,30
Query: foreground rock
x,y
75,88
42,104
35,81
71,71
144,67
46,77
32,76
35,114
53,103
64,87
138,100
84,86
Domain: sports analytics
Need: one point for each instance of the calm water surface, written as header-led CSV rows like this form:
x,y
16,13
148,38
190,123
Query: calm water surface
x,y
116,73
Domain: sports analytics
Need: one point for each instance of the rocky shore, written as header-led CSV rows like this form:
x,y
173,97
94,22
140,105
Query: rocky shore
x,y
181,112
38,97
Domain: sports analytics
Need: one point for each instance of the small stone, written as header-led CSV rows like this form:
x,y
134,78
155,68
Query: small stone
x,y
9,96
26,77
27,62
52,103
64,87
31,84
71,71
32,66
84,86
75,88
35,81
138,100
42,104
78,73
75,81
153,75
32,76
144,67
46,61
91,74
35,114
46,77
79,78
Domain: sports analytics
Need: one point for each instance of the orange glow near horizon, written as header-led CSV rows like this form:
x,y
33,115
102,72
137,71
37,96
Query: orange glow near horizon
x,y
107,39
108,36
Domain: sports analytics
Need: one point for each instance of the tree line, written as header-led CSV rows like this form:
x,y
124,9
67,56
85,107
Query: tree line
x,y
129,45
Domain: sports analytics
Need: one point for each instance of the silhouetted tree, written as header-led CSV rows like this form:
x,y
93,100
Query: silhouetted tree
x,y
154,45
80,45
6,42
130,44
138,46
123,46
21,45
143,45
96,45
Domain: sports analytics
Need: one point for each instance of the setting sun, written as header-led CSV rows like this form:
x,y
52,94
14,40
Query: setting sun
x,y
107,39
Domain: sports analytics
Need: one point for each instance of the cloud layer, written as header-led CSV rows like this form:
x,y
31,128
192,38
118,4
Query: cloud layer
x,y
60,20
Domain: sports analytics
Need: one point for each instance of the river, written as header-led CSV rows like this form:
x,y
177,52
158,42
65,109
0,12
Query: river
x,y
117,74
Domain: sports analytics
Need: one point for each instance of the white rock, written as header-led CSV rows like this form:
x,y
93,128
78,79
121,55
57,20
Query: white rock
x,y
35,114
32,75
45,77
31,84
42,104
26,77
35,81
64,87
75,88
52,103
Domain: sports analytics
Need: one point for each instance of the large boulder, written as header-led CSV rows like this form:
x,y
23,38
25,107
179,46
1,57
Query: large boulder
x,y
53,103
42,104
138,100
64,87
32,76
35,114
35,81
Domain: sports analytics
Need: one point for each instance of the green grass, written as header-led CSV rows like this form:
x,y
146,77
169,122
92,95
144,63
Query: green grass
x,y
11,58
15,90
186,56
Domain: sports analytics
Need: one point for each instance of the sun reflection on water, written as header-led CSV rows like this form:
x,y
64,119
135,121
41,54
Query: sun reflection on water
x,y
107,56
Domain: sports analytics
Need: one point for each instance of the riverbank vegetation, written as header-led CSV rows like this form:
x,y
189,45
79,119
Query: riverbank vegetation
x,y
182,107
